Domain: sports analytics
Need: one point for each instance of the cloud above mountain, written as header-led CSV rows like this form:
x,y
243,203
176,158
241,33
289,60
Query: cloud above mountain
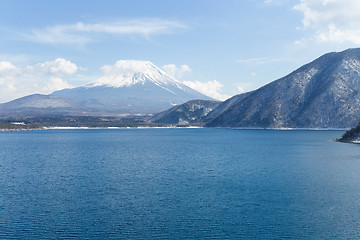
x,y
210,88
122,73
176,72
49,76
334,21
44,78
57,67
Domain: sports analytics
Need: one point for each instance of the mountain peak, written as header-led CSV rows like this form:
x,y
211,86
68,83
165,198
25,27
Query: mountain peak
x,y
126,73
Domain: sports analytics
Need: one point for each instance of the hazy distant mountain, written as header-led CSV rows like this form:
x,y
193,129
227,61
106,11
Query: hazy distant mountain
x,y
188,113
38,104
142,88
322,94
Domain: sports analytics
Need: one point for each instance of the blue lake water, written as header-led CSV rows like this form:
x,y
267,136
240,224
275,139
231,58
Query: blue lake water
x,y
178,184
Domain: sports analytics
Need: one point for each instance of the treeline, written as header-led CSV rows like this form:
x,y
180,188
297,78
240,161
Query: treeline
x,y
75,121
350,135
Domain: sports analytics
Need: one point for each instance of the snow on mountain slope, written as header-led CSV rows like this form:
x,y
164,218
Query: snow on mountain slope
x,y
131,86
322,94
126,73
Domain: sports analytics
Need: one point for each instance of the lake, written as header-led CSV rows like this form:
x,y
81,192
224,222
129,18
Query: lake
x,y
178,184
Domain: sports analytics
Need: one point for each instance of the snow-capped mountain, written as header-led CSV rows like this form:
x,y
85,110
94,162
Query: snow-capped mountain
x,y
322,94
131,86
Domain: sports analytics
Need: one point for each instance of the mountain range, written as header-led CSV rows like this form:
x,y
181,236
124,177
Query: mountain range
x,y
324,93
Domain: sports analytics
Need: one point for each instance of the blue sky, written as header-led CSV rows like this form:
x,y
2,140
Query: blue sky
x,y
219,47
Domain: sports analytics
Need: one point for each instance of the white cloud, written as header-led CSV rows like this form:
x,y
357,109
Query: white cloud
x,y
243,87
58,67
82,33
240,89
126,67
42,78
54,84
122,71
173,71
6,66
334,21
210,88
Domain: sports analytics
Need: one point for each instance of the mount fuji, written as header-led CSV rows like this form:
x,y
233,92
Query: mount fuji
x,y
128,87
131,86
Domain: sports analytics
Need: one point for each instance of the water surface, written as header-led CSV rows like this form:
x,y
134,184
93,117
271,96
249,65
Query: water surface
x,y
178,184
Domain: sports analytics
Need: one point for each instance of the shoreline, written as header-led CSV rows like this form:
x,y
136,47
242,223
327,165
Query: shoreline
x,y
171,127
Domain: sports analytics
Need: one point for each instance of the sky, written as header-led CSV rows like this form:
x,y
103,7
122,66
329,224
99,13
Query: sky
x,y
218,47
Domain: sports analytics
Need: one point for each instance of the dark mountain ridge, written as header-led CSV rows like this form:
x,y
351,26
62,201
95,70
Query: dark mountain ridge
x,y
191,112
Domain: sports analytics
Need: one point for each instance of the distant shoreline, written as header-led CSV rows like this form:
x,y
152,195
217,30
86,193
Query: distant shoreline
x,y
169,127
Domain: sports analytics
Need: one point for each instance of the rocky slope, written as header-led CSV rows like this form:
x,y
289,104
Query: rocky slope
x,y
191,112
322,94
351,136
223,106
